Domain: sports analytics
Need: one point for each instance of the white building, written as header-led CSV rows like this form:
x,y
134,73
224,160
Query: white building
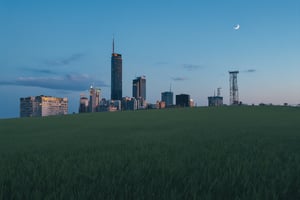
x,y
43,106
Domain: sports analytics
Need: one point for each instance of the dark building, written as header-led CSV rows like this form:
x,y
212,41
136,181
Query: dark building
x,y
167,97
215,101
116,75
129,103
139,88
183,100
83,104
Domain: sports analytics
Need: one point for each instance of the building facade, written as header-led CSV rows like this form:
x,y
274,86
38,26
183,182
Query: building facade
x,y
139,88
83,105
183,100
167,97
215,101
233,88
129,103
116,75
40,106
30,107
94,99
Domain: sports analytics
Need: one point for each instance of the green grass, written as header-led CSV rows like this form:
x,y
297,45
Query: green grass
x,y
201,153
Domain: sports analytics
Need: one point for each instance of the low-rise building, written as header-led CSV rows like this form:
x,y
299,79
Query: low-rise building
x,y
183,100
215,101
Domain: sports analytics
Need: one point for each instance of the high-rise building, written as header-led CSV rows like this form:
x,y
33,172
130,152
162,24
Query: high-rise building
x,y
30,107
94,99
43,106
183,100
83,104
139,88
116,75
167,97
234,92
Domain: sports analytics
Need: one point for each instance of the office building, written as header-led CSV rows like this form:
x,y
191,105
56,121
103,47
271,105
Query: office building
x,y
129,103
139,88
83,104
94,99
43,106
167,97
233,88
116,75
104,105
115,105
160,104
183,100
215,101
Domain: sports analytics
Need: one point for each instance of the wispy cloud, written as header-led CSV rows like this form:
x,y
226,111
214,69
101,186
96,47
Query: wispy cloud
x,y
64,61
39,71
191,67
179,78
249,71
69,82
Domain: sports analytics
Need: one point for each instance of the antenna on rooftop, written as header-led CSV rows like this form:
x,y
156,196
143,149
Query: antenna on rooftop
x,y
113,44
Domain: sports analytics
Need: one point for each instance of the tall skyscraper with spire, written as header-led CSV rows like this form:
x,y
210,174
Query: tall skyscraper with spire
x,y
116,74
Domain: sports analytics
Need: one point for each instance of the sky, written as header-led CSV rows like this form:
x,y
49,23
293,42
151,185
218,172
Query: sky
x,y
60,48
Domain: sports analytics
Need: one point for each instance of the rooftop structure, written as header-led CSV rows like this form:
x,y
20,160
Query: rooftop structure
x,y
216,100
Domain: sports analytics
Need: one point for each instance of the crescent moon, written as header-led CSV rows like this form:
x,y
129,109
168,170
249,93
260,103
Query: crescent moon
x,y
236,27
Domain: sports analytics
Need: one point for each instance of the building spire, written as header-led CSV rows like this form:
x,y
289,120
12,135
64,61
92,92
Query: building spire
x,y
113,44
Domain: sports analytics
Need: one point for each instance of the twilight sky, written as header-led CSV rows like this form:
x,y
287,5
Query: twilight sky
x,y
61,47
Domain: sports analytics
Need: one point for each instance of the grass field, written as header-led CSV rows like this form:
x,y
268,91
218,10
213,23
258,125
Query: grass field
x,y
199,153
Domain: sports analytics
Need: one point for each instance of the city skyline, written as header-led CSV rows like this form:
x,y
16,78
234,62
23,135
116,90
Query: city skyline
x,y
60,49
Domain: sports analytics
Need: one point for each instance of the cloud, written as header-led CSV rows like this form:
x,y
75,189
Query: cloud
x,y
40,71
179,78
69,82
64,61
191,67
250,70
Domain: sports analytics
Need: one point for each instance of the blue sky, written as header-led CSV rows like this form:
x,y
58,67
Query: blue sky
x,y
60,48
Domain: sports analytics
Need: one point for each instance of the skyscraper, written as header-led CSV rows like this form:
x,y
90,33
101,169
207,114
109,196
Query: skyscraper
x,y
139,87
116,75
83,104
234,92
94,99
167,97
